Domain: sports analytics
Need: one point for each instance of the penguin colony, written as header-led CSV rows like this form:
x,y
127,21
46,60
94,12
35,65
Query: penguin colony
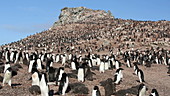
x,y
82,67
75,59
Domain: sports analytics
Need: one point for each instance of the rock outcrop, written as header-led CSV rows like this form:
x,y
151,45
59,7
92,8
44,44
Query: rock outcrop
x,y
79,14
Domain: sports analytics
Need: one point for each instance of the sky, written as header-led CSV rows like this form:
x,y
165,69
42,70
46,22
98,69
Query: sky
x,y
21,18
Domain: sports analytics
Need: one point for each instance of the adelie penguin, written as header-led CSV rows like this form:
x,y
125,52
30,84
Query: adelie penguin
x,y
142,90
102,66
63,85
7,77
7,65
59,75
135,67
81,73
35,78
96,91
140,75
118,76
43,85
154,92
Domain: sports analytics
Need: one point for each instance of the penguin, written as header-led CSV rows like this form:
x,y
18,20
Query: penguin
x,y
117,64
63,84
135,67
12,56
7,65
35,78
106,67
57,58
52,74
7,56
81,73
102,66
39,64
43,85
31,65
59,75
118,76
141,90
96,91
49,63
140,75
154,92
7,77
63,60
128,63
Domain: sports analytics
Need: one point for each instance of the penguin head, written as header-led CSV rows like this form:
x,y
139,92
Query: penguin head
x,y
96,88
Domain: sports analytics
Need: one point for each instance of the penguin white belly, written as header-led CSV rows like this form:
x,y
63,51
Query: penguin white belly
x,y
94,92
57,59
90,65
142,92
102,67
39,64
128,63
43,87
81,75
117,65
153,94
98,61
63,61
65,86
118,79
139,75
6,67
73,66
30,66
106,66
12,56
60,76
7,78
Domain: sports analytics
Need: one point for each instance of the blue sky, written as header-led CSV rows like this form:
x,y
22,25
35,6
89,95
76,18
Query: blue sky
x,y
21,18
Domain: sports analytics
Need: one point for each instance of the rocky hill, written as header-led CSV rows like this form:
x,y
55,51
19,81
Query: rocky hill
x,y
80,24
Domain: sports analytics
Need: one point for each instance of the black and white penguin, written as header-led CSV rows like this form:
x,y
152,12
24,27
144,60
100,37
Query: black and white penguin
x,y
96,91
154,92
57,58
118,76
7,77
39,64
43,85
81,73
140,75
7,65
49,63
33,64
59,75
7,56
128,63
63,60
35,78
117,64
102,66
74,63
135,67
52,74
142,90
63,84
